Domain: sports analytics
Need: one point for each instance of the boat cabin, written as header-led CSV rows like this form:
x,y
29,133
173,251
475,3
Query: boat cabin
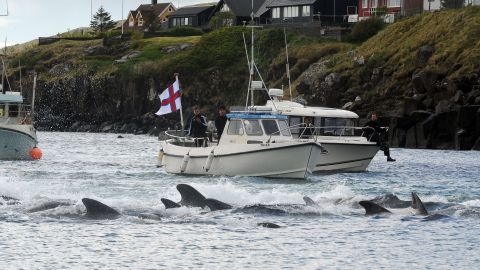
x,y
327,121
12,110
247,128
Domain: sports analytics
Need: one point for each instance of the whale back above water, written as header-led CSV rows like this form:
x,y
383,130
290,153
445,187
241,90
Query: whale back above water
x,y
372,208
96,209
215,205
169,203
418,205
190,196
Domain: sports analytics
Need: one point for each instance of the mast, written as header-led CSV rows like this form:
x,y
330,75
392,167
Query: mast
x,y
252,63
288,64
33,92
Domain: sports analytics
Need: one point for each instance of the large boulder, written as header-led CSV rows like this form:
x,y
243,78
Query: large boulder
x,y
419,116
423,54
442,106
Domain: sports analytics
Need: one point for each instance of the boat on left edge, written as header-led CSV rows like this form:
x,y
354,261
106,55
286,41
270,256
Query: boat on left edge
x,y
18,137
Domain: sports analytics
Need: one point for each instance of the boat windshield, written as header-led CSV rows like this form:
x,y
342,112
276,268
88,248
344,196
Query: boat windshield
x,y
235,127
253,128
270,126
335,126
284,128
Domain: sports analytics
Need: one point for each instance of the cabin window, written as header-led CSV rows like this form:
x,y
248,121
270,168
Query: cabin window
x,y
182,21
235,127
284,128
306,11
276,13
1,110
253,128
289,12
294,123
338,127
270,127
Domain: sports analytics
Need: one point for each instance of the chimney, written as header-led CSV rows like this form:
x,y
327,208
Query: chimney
x,y
154,2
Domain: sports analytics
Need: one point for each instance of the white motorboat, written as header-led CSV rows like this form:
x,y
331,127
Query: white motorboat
x,y
348,148
17,134
252,145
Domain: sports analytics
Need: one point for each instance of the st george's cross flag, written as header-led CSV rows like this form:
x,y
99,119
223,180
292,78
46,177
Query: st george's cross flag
x,y
170,99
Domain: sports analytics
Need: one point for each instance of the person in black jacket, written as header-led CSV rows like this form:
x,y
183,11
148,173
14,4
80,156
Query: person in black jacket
x,y
221,121
198,126
378,134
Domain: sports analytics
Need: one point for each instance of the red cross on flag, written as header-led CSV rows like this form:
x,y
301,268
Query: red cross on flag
x,y
171,99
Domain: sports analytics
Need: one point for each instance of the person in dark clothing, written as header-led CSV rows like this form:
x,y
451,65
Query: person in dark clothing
x,y
378,134
221,121
198,126
307,129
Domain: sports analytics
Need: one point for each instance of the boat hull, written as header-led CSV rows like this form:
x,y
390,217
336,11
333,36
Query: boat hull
x,y
275,160
346,156
16,141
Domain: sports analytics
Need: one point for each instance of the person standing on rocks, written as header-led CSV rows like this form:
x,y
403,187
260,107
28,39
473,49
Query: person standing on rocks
x,y
378,134
198,126
221,121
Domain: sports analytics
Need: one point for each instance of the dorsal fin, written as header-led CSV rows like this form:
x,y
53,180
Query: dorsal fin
x,y
309,202
372,208
169,203
190,196
215,205
418,205
96,209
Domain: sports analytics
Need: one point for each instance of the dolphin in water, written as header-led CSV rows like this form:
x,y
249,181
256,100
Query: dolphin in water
x,y
191,197
98,210
372,208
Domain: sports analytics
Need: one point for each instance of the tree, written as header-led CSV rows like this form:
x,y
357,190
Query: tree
x,y
102,21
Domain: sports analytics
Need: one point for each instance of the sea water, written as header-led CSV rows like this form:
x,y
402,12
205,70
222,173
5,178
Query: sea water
x,y
122,173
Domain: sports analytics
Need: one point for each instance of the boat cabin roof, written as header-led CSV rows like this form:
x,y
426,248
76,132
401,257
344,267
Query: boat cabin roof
x,y
256,116
296,109
12,97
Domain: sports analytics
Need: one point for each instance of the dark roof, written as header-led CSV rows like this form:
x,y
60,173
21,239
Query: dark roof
x,y
282,3
134,13
263,8
191,10
155,9
243,8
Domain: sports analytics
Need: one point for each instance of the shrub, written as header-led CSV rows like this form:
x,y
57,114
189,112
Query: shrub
x,y
185,31
366,29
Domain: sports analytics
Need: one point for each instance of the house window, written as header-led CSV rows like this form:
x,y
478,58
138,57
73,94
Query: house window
x,y
131,22
289,12
393,3
365,3
170,9
276,13
374,3
140,22
182,21
306,11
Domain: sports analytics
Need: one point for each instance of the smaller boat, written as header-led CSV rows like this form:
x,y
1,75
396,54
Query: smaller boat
x,y
253,144
349,150
17,135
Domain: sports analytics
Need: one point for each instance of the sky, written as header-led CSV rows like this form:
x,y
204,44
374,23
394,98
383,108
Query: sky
x,y
30,19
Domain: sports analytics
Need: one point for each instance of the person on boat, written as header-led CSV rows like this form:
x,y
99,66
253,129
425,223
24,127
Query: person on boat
x,y
307,129
198,126
378,134
221,120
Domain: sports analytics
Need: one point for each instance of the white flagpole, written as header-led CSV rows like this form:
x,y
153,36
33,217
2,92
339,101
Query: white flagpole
x,y
181,111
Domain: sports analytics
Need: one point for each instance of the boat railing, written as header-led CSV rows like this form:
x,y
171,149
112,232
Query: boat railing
x,y
21,116
179,137
339,131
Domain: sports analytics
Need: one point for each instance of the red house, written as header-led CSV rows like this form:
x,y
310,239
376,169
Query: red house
x,y
388,8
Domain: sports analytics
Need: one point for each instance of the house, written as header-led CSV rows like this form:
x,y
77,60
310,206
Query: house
x,y
307,11
432,5
148,14
195,16
240,11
